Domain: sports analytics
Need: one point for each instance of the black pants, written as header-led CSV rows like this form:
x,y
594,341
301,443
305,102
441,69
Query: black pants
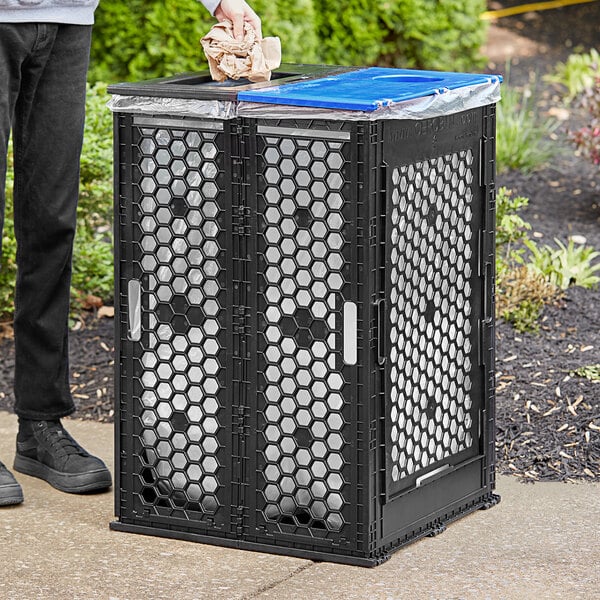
x,y
43,69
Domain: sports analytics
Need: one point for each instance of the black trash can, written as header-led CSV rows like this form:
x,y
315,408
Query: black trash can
x,y
305,308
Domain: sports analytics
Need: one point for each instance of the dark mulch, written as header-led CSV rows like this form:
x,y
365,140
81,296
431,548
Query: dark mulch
x,y
91,355
548,418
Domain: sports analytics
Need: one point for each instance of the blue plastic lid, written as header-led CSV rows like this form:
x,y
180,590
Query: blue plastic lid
x,y
365,89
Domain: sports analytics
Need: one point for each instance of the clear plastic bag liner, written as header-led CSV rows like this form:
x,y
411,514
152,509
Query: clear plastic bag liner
x,y
437,105
448,102
147,105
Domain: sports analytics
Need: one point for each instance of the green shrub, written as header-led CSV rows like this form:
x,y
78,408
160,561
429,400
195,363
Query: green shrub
x,y
429,34
523,139
96,191
93,250
92,262
353,35
8,267
578,73
296,24
140,40
402,33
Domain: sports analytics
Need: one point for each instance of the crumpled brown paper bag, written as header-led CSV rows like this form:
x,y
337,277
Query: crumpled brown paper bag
x,y
248,58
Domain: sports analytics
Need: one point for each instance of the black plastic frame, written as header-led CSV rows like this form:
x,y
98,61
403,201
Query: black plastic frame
x,y
379,518
200,85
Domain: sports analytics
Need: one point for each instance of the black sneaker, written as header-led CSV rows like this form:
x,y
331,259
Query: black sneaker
x,y
46,450
10,490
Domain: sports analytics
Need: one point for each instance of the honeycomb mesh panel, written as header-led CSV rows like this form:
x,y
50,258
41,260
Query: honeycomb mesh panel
x,y
302,447
430,314
179,253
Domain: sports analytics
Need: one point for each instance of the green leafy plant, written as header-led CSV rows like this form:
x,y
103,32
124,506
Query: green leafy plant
x,y
591,372
523,138
529,276
520,293
578,73
511,229
567,265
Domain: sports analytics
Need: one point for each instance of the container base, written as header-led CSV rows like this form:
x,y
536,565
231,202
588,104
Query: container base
x,y
437,527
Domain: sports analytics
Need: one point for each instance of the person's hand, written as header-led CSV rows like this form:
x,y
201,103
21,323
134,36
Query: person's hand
x,y
238,12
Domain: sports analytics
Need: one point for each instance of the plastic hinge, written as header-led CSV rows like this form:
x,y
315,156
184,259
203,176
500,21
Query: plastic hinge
x,y
241,417
380,258
485,331
486,156
240,220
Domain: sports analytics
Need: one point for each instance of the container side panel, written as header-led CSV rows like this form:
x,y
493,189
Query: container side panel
x,y
435,290
433,257
179,412
307,333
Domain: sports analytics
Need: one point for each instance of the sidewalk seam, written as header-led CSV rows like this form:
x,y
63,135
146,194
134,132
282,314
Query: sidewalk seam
x,y
274,584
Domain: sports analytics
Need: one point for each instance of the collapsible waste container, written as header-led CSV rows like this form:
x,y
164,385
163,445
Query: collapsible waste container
x,y
305,308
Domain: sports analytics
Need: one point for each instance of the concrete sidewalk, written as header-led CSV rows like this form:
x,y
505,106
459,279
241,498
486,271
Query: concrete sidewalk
x,y
541,541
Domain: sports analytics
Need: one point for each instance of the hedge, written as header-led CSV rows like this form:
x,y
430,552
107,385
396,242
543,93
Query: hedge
x,y
144,39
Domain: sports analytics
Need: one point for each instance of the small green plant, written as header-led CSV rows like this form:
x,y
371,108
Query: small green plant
x,y
567,265
521,295
578,73
591,372
523,138
511,228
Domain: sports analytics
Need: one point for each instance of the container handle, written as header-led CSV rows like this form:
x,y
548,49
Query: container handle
x,y
381,345
134,304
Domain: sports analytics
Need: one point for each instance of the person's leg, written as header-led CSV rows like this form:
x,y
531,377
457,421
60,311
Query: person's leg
x,y
47,135
15,42
13,45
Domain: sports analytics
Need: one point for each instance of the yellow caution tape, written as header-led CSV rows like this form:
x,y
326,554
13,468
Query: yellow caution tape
x,y
491,15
